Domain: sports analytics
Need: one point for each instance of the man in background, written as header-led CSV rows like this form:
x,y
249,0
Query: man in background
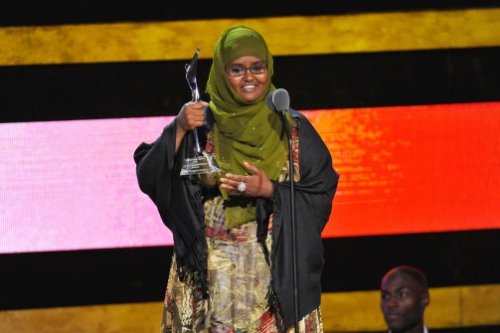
x,y
405,295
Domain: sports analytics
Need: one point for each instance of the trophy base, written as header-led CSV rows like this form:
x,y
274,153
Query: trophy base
x,y
199,165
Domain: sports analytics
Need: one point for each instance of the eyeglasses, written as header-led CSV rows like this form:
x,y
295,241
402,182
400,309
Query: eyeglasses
x,y
240,70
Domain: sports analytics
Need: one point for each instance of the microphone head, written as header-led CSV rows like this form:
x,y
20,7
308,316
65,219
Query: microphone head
x,y
280,100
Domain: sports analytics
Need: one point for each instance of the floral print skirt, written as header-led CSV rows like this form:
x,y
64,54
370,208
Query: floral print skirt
x,y
239,285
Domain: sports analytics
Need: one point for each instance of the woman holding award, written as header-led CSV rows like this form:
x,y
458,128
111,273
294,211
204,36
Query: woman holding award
x,y
231,271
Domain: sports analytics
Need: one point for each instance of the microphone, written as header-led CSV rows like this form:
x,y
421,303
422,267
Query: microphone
x,y
279,101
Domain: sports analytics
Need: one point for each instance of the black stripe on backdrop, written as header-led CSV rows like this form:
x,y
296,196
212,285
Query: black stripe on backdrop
x,y
110,90
32,280
23,12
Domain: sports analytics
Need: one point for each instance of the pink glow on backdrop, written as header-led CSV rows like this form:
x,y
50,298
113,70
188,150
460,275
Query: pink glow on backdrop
x,y
68,185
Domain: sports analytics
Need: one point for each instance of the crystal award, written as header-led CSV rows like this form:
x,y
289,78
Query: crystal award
x,y
200,162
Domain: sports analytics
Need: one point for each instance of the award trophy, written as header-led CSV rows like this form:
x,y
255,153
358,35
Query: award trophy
x,y
200,162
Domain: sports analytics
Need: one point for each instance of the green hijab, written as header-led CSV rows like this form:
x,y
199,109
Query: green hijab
x,y
243,131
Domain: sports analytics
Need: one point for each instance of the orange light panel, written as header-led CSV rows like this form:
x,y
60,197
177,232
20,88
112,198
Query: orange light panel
x,y
413,169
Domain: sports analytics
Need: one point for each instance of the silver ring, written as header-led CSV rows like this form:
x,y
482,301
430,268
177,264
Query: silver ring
x,y
242,187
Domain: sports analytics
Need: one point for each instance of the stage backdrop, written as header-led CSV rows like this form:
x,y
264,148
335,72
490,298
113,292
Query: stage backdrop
x,y
405,94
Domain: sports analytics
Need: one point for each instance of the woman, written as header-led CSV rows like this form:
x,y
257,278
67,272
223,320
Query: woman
x,y
231,268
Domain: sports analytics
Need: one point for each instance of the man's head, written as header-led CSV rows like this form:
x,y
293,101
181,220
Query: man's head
x,y
404,298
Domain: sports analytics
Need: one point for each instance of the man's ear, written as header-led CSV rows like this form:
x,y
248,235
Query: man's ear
x,y
425,300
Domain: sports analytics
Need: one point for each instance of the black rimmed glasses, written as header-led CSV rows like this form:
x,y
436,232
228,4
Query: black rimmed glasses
x,y
240,70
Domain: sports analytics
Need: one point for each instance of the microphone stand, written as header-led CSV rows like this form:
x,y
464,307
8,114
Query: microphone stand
x,y
291,175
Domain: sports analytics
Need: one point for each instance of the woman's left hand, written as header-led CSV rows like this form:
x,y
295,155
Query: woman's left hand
x,y
255,185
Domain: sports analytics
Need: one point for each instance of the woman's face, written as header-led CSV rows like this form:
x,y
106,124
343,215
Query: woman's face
x,y
248,76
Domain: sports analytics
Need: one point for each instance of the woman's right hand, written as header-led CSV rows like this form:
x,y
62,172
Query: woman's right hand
x,y
191,116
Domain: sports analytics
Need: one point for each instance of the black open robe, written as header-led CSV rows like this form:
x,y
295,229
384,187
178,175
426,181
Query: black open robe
x,y
179,202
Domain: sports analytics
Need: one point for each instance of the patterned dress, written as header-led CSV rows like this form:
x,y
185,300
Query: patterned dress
x,y
239,278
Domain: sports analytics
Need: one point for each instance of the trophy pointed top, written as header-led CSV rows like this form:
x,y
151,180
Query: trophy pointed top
x,y
191,76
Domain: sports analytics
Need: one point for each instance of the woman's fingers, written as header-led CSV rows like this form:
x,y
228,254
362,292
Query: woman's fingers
x,y
229,188
195,115
263,186
256,185
192,115
236,178
230,182
195,118
252,168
